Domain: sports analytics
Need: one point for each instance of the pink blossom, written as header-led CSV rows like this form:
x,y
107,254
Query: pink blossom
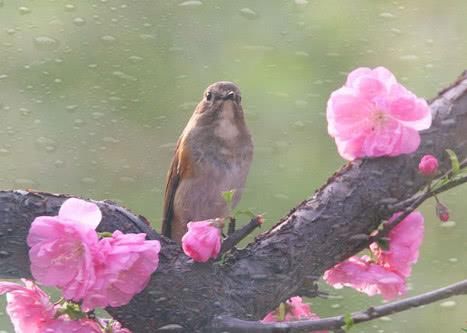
x,y
62,248
295,310
124,264
428,165
28,306
203,240
65,325
367,277
404,244
373,115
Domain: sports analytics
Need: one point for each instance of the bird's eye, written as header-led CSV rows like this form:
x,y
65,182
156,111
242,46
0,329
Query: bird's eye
x,y
208,96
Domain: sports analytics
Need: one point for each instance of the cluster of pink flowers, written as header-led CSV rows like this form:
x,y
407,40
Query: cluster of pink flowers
x,y
386,274
295,310
31,311
373,115
67,253
203,240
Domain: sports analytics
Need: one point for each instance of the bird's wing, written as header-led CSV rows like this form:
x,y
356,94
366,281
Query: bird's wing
x,y
173,179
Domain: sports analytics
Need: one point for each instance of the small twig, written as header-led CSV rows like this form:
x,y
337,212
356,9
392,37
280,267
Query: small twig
x,y
231,228
235,238
413,203
234,325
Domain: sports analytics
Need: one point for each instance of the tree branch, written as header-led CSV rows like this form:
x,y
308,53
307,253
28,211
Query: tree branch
x,y
233,325
237,236
320,232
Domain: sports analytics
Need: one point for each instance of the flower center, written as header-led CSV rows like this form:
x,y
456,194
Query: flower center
x,y
378,119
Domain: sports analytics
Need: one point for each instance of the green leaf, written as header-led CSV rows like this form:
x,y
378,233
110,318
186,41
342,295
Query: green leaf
x,y
383,243
348,320
104,234
244,212
455,165
464,329
281,312
73,310
228,197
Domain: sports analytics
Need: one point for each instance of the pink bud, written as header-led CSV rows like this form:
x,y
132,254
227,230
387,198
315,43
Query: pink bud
x,y
203,240
442,212
428,165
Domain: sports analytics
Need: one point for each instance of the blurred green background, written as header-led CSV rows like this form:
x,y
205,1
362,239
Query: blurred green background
x,y
93,95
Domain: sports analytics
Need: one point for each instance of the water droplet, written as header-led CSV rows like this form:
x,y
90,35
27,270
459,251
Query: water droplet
x,y
88,180
3,76
134,58
190,3
24,10
248,13
108,38
409,57
301,2
45,43
79,21
124,76
386,15
71,107
110,139
59,163
448,224
302,54
70,7
47,144
448,304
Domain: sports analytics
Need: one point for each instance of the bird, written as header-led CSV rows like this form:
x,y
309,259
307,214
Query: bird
x,y
213,155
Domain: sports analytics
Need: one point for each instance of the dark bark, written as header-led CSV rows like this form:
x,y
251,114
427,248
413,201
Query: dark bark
x,y
318,233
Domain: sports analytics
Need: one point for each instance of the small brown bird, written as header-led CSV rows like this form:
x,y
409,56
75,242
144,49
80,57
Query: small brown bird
x,y
213,155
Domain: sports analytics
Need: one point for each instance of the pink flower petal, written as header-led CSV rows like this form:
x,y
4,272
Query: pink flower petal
x,y
86,213
409,140
366,277
404,244
414,112
356,74
347,115
370,87
28,306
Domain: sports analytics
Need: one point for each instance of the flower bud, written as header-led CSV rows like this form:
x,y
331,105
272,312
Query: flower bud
x,y
203,240
442,212
428,165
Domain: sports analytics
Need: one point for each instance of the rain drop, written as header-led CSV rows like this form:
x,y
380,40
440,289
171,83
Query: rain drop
x,y
45,43
70,7
24,10
47,144
448,304
108,38
248,13
190,3
79,21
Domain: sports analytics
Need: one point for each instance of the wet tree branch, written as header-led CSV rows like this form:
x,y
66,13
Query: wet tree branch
x,y
233,325
315,235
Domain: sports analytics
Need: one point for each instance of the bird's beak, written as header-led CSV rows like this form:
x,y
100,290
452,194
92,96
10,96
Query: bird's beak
x,y
230,96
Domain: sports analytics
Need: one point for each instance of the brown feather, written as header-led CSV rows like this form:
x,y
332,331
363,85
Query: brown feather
x,y
180,168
